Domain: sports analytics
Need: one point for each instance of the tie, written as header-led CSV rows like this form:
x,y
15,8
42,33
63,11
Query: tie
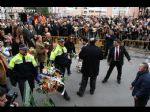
x,y
23,59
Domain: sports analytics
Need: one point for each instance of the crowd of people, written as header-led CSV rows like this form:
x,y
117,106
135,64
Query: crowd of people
x,y
27,45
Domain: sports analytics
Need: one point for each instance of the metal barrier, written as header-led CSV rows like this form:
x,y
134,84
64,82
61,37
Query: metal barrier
x,y
136,43
100,42
55,39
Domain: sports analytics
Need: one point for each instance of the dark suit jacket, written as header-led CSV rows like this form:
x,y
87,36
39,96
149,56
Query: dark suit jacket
x,y
70,47
141,85
91,56
26,34
122,52
109,41
39,29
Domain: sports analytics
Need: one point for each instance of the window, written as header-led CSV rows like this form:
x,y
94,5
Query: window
x,y
91,11
85,12
98,11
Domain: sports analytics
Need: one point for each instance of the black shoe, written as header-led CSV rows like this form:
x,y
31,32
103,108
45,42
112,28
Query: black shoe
x,y
104,81
69,73
66,97
118,81
91,92
79,94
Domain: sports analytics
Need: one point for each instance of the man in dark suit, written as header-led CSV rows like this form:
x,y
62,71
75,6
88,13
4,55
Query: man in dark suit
x,y
32,34
69,44
141,86
65,29
116,58
39,28
109,38
91,56
25,33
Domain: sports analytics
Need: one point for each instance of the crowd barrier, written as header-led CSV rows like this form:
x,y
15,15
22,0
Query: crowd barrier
x,y
100,42
136,43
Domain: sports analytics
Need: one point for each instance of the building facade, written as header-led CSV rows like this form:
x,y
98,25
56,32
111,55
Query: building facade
x,y
13,12
10,12
96,11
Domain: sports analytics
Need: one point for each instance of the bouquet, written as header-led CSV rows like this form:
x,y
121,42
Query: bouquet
x,y
50,80
72,55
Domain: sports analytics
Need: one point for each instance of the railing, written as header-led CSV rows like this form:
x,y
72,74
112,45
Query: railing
x,y
137,43
100,42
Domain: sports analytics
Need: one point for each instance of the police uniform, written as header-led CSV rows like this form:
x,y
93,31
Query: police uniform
x,y
23,68
60,59
59,56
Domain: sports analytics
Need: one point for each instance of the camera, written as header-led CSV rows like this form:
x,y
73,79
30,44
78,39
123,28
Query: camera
x,y
11,96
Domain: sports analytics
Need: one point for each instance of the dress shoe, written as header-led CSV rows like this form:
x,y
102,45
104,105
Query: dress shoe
x,y
79,94
66,97
69,73
118,81
104,81
91,92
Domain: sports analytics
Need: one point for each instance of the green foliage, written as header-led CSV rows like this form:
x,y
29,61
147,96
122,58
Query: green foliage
x,y
43,10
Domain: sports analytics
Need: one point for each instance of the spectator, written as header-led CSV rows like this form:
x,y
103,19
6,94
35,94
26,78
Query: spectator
x,y
4,100
141,86
41,52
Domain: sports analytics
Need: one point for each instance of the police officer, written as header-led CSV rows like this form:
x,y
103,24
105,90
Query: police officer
x,y
60,59
22,68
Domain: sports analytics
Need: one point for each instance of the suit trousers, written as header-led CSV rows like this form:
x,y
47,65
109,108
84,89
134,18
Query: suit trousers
x,y
84,83
68,66
111,67
141,101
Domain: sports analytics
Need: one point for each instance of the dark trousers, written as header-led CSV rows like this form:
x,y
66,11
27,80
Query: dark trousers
x,y
111,67
84,83
68,66
141,101
61,68
41,66
106,52
21,83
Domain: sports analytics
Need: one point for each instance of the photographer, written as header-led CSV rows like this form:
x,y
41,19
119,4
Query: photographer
x,y
4,101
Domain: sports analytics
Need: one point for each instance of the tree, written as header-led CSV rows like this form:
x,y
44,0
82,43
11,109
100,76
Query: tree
x,y
43,10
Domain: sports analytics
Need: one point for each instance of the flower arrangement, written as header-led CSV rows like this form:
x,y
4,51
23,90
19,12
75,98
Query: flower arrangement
x,y
50,80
